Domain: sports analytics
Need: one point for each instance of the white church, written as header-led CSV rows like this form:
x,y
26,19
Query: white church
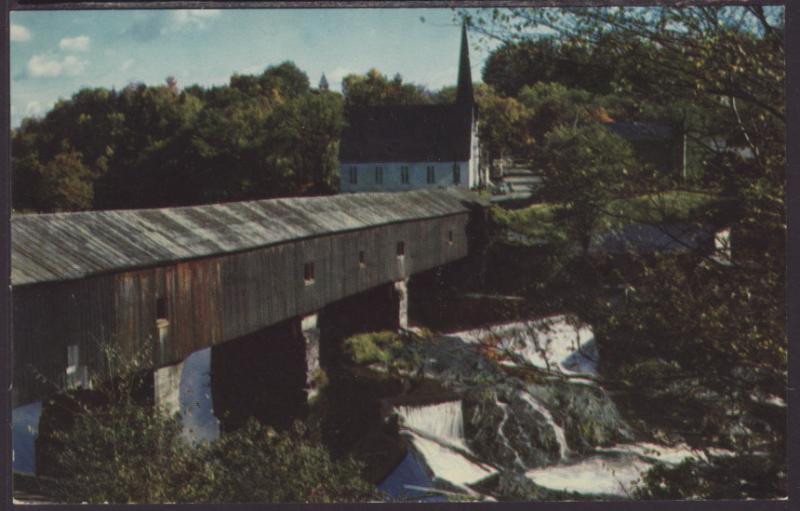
x,y
401,147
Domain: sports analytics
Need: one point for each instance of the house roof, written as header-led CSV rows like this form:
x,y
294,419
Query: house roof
x,y
641,238
413,133
64,246
642,131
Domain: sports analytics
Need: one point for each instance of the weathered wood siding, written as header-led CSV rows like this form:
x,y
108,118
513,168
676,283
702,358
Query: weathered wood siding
x,y
212,299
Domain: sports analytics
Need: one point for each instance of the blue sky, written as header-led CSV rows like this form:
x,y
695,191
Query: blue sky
x,y
56,53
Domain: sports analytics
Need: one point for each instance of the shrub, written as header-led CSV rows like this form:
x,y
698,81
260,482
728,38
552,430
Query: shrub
x,y
255,464
373,347
119,450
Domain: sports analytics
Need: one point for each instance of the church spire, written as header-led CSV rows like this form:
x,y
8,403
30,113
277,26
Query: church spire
x,y
464,90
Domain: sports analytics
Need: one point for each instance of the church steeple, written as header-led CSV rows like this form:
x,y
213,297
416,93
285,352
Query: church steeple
x,y
464,90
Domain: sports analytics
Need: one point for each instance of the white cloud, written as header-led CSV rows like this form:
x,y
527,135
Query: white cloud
x,y
78,43
33,108
335,77
45,66
126,65
192,18
19,33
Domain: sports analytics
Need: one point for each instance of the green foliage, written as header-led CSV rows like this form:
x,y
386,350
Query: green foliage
x,y
736,478
503,127
255,464
120,448
698,346
517,64
373,347
585,169
260,136
128,453
125,453
374,88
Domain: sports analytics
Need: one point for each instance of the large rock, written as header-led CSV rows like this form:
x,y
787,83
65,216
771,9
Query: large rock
x,y
504,429
505,420
589,417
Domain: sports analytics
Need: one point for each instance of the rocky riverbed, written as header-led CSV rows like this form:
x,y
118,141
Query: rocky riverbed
x,y
523,416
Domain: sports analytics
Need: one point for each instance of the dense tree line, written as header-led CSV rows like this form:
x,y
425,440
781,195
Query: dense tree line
x,y
147,146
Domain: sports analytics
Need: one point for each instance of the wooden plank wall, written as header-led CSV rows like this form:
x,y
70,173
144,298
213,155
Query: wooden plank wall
x,y
211,300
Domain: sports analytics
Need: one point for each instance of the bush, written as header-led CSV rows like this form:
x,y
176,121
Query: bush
x,y
134,454
372,348
118,450
255,464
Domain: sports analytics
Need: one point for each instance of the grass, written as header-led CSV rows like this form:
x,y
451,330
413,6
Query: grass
x,y
538,221
373,347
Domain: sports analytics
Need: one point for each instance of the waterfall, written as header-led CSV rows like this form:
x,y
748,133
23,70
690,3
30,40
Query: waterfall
x,y
563,448
437,433
443,420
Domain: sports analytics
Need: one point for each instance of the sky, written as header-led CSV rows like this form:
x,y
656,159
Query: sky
x,y
56,53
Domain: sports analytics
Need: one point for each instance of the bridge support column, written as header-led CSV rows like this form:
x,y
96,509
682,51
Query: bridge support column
x,y
369,311
260,375
310,332
401,287
166,388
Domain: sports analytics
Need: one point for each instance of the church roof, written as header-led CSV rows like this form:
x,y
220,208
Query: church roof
x,y
413,133
464,89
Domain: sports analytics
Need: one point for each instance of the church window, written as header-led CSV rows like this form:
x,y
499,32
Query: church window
x,y
431,175
404,174
456,174
379,175
353,175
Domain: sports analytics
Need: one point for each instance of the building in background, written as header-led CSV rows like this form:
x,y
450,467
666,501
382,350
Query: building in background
x,y
400,147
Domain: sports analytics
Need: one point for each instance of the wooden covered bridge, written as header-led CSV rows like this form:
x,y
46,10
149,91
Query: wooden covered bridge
x,y
177,280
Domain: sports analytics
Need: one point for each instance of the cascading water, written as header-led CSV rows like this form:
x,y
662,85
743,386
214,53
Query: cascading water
x,y
437,433
444,421
563,448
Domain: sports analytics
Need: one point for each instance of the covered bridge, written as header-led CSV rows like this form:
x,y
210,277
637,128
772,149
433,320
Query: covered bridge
x,y
177,280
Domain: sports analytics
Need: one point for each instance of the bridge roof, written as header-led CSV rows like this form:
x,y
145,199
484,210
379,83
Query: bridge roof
x,y
64,246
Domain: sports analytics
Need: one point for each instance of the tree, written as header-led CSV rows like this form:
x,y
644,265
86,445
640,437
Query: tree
x,y
503,127
699,343
375,88
117,447
585,168
516,64
158,146
65,183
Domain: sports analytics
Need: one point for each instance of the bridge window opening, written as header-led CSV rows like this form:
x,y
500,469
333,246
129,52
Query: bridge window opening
x,y
75,374
431,175
379,175
404,174
73,355
161,308
308,273
362,259
450,237
456,174
401,249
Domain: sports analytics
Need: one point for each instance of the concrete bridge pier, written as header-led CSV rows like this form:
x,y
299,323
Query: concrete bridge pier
x,y
166,388
262,375
401,288
311,335
369,311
